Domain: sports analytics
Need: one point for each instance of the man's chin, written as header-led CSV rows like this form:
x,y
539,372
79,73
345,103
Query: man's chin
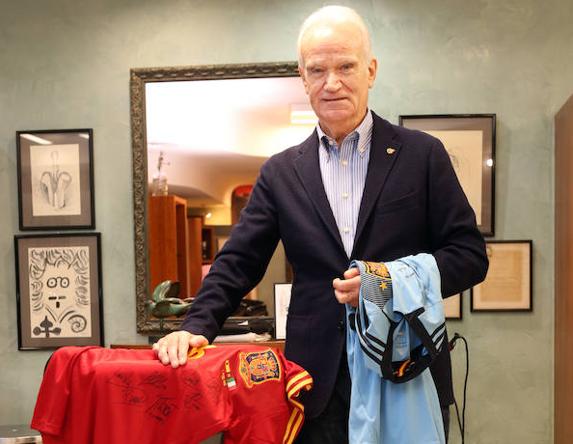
x,y
337,113
336,117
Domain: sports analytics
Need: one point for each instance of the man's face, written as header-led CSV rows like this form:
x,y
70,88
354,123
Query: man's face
x,y
336,76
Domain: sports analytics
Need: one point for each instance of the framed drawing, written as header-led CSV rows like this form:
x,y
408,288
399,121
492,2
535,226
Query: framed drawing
x,y
453,307
55,179
508,284
58,289
282,301
469,139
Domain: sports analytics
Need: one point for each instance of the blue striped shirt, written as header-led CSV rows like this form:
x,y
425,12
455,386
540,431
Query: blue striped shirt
x,y
343,169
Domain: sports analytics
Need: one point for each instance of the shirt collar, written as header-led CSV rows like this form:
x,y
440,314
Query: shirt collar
x,y
362,131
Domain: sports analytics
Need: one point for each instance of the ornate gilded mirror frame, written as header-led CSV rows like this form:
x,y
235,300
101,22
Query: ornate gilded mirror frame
x,y
138,79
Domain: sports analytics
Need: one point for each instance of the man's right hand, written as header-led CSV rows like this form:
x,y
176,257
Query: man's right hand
x,y
172,349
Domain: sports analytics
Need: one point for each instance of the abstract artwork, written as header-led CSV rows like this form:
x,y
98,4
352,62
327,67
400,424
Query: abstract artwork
x,y
59,294
55,176
55,179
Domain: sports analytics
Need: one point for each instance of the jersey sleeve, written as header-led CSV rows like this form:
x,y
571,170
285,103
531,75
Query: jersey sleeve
x,y
53,396
297,379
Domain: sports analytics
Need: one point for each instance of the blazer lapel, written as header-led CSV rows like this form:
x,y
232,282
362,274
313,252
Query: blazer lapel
x,y
307,167
384,151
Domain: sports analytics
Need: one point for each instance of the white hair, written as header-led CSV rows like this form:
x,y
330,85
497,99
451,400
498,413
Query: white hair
x,y
334,14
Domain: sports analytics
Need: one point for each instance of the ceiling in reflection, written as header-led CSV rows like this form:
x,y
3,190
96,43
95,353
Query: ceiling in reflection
x,y
216,134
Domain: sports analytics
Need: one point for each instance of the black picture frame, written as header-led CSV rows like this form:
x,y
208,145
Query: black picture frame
x,y
454,307
508,286
55,179
58,290
463,136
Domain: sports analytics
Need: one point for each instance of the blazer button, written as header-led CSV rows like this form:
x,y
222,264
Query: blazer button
x,y
341,325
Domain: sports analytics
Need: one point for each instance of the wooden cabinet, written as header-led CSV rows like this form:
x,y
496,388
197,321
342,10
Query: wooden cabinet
x,y
179,245
195,228
168,236
208,247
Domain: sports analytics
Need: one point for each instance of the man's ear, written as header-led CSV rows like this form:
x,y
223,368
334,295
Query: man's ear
x,y
303,77
372,70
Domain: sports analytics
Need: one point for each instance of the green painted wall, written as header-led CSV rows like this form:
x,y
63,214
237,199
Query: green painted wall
x,y
65,64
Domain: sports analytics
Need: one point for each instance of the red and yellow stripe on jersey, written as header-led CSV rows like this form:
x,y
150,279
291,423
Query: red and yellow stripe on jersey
x,y
300,381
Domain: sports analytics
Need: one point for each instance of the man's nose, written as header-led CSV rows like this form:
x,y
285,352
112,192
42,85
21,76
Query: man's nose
x,y
332,82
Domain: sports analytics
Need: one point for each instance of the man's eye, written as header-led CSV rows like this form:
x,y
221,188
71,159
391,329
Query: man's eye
x,y
347,67
315,70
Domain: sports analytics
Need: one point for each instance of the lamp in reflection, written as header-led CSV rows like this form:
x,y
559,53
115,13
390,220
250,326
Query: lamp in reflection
x,y
302,114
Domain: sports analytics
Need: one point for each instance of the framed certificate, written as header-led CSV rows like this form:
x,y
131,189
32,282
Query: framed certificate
x,y
453,307
508,284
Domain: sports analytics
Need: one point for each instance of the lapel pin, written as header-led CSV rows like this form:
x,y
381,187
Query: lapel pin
x,y
390,150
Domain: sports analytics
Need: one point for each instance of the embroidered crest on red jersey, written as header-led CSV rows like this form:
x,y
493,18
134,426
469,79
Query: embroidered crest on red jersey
x,y
259,367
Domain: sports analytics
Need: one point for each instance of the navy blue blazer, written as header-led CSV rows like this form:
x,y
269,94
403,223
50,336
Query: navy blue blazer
x,y
412,203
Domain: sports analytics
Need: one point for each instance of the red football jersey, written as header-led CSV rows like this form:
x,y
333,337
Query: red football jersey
x,y
116,396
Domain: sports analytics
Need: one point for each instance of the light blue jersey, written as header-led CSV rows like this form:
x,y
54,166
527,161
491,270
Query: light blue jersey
x,y
394,334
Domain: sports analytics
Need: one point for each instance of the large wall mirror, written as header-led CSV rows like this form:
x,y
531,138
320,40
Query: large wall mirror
x,y
210,128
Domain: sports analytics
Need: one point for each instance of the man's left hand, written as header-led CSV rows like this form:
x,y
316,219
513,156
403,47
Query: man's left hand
x,y
346,290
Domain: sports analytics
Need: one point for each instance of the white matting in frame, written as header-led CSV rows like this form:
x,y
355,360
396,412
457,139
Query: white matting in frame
x,y
282,301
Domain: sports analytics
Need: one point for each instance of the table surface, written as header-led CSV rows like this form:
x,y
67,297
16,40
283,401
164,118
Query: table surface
x,y
20,434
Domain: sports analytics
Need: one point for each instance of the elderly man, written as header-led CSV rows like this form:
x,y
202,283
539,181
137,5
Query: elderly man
x,y
357,188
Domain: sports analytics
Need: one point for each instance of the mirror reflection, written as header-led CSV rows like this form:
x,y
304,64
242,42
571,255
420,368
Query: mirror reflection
x,y
205,141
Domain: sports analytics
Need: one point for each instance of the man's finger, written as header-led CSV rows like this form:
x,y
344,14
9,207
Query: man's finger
x,y
198,341
351,272
172,351
340,284
346,284
341,296
162,354
183,348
